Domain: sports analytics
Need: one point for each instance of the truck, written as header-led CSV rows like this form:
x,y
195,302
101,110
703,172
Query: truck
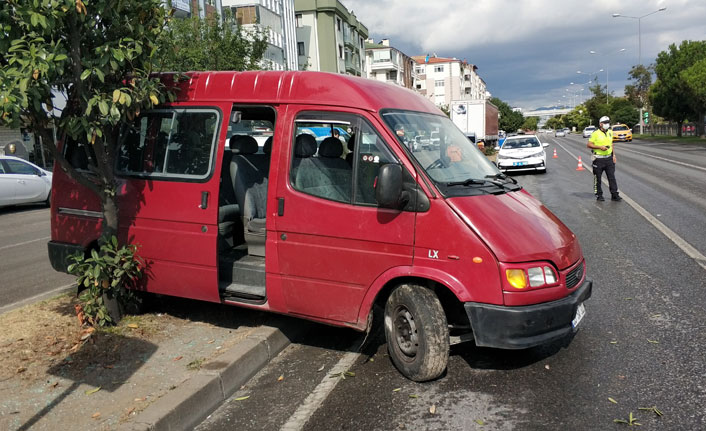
x,y
477,119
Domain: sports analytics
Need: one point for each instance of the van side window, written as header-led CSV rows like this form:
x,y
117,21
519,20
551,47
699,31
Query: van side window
x,y
169,143
78,154
370,153
319,165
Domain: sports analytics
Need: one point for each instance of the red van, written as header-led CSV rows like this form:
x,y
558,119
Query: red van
x,y
233,198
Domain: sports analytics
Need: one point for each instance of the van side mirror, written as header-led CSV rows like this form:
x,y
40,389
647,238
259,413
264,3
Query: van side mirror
x,y
388,191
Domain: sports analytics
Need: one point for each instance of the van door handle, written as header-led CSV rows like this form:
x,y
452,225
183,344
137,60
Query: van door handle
x,y
204,200
280,207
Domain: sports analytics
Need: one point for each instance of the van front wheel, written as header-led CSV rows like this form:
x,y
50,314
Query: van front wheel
x,y
417,333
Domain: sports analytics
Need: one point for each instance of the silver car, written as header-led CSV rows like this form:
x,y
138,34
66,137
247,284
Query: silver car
x,y
22,182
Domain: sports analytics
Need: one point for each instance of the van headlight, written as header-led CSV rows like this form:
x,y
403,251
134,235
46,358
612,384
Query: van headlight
x,y
529,276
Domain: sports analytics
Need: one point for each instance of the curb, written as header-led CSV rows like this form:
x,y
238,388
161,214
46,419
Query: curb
x,y
191,402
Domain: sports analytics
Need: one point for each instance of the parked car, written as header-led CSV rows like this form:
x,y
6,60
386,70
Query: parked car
x,y
588,131
297,228
522,153
621,133
22,182
434,140
560,133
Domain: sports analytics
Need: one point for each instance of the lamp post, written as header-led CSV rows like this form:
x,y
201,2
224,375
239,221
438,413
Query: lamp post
x,y
607,93
639,44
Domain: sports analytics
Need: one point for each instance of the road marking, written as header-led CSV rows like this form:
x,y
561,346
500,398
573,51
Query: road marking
x,y
24,243
304,412
629,150
676,239
36,298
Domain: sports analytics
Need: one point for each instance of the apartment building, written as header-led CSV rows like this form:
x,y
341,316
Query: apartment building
x,y
442,80
200,8
329,37
276,19
388,64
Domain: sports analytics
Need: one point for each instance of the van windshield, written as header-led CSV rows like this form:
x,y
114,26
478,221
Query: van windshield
x,y
446,154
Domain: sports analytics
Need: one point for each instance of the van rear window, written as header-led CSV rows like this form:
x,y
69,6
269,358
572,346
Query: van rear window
x,y
169,143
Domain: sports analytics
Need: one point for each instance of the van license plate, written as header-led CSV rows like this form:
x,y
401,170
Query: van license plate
x,y
580,312
519,163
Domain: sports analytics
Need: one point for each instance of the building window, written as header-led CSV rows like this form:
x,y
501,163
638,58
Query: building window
x,y
300,48
340,51
439,83
298,18
439,68
419,86
338,23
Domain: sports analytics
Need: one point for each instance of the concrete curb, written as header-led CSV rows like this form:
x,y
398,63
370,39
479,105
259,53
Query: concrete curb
x,y
192,401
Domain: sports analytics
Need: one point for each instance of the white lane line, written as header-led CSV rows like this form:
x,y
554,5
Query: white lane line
x,y
24,243
304,412
676,239
688,165
36,298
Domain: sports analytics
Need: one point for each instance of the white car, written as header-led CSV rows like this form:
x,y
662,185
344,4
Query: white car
x,y
22,182
522,153
588,131
560,133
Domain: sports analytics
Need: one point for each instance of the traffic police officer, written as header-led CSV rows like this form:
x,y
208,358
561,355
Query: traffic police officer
x,y
601,144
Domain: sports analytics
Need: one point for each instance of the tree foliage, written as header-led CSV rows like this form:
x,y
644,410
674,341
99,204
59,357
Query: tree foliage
x,y
671,96
98,56
641,77
577,117
509,120
209,44
530,123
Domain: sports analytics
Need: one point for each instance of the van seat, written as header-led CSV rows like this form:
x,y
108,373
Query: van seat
x,y
249,172
327,175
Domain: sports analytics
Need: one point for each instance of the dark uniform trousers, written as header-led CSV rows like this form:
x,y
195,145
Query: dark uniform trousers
x,y
606,164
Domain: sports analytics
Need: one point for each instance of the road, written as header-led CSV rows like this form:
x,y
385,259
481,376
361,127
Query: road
x,y
641,344
24,265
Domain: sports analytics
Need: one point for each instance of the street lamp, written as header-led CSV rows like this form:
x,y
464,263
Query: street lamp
x,y
607,93
639,29
639,44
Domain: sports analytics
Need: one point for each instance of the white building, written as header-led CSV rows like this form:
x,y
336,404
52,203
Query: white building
x,y
442,80
276,19
388,64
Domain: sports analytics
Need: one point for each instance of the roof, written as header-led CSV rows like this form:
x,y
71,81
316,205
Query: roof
x,y
301,87
422,59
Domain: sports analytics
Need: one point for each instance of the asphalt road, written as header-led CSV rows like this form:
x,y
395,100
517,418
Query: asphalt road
x,y
641,344
25,271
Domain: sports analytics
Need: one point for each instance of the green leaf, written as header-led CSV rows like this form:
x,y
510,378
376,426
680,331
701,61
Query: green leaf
x,y
86,73
60,57
100,75
242,398
612,400
93,391
103,106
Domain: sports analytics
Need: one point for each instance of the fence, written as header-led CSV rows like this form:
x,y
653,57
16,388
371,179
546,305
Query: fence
x,y
669,129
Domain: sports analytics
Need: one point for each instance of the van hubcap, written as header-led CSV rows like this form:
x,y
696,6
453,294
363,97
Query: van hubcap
x,y
406,332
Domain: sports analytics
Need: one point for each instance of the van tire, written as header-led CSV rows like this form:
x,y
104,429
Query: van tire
x,y
417,333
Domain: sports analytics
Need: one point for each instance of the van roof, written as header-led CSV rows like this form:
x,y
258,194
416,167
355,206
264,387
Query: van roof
x,y
305,87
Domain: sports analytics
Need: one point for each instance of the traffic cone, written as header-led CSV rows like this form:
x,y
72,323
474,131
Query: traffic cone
x,y
580,166
555,156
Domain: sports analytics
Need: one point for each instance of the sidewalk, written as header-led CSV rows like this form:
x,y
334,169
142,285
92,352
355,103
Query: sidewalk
x,y
165,370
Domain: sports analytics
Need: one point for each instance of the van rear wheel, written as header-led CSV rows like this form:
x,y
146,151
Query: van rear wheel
x,y
417,333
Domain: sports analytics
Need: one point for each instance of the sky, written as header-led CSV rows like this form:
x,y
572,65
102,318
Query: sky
x,y
528,51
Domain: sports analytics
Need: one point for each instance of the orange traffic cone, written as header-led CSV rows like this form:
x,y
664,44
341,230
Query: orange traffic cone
x,y
580,166
555,156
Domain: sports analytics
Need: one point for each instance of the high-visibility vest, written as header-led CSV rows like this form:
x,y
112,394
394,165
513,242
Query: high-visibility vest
x,y
600,139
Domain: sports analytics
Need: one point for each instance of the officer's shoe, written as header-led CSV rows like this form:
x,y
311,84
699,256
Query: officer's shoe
x,y
616,198
600,198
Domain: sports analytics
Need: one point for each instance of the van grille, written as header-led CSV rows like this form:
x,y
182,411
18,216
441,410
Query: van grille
x,y
574,276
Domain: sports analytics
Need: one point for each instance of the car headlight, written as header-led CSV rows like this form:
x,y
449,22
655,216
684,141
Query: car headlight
x,y
529,276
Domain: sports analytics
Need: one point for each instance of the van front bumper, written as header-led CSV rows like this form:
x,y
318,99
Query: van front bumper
x,y
59,253
525,326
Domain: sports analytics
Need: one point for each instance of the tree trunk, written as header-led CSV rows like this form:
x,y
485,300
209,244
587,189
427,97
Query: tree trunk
x,y
700,125
679,126
110,215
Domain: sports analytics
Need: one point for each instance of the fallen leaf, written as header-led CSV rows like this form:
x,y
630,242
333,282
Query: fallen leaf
x,y
653,341
130,410
132,325
140,399
480,422
109,366
413,396
621,377
432,409
177,358
350,373
628,299
21,370
320,369
55,384
96,415
242,398
280,378
612,400
613,342
396,389
210,341
546,366
656,315
93,391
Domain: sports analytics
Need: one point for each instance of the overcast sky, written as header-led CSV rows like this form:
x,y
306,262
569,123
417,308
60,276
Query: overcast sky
x,y
528,51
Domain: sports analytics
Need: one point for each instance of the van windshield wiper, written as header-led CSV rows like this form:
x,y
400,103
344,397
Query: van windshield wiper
x,y
501,176
473,181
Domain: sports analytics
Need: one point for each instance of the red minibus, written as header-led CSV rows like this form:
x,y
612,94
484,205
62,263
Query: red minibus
x,y
324,227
